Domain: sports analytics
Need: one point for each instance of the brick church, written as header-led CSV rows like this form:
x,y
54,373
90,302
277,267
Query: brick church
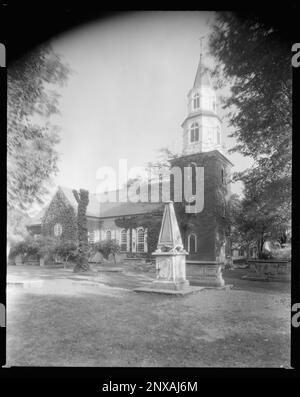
x,y
203,233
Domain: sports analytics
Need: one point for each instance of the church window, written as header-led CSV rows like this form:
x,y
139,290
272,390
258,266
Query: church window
x,y
57,230
108,235
196,101
192,243
123,240
194,132
140,240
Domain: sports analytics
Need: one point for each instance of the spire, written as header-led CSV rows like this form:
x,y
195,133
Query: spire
x,y
169,235
202,76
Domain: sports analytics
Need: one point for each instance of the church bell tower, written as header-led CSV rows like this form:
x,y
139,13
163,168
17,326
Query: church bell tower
x,y
202,126
204,233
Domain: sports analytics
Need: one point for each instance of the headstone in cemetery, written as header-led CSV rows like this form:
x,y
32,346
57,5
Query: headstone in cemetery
x,y
170,258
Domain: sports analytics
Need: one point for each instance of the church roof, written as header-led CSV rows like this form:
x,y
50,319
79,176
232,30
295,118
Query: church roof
x,y
202,76
103,210
209,153
201,112
111,209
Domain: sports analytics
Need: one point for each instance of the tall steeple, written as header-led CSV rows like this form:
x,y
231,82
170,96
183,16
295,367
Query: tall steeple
x,y
202,126
202,76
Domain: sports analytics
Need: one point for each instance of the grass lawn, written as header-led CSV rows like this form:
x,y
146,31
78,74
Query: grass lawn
x,y
63,321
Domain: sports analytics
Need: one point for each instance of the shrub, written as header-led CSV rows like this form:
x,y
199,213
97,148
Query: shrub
x,y
106,248
282,253
266,255
277,253
66,250
28,247
46,246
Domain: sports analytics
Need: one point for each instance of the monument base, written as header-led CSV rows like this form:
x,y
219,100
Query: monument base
x,y
182,292
170,275
170,285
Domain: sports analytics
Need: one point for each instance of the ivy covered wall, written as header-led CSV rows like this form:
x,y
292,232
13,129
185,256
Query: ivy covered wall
x,y
209,225
60,211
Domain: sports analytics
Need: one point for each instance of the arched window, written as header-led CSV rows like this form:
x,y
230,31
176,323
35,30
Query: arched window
x,y
192,243
196,101
123,240
194,132
57,230
140,240
108,235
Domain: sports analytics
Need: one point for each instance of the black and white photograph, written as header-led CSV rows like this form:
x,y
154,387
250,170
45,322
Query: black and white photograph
x,y
149,192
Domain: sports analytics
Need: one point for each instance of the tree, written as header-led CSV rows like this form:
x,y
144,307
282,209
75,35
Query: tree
x,y
16,226
254,59
162,164
262,214
31,138
82,199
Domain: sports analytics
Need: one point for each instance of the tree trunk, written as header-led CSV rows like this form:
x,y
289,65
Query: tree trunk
x,y
260,244
82,199
66,261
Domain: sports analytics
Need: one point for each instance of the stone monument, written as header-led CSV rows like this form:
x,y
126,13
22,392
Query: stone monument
x,y
170,258
170,254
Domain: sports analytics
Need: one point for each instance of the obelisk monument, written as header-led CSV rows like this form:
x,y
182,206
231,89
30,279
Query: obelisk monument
x,y
170,254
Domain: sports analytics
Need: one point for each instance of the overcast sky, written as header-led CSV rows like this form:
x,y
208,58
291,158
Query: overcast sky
x,y
127,96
